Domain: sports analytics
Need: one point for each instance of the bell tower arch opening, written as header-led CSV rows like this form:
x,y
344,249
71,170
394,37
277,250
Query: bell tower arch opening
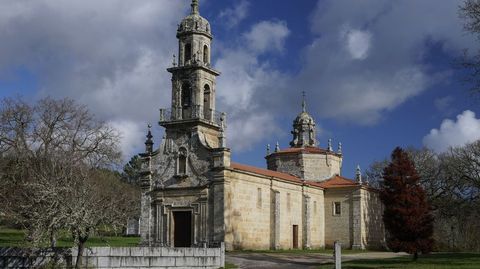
x,y
206,56
188,52
207,102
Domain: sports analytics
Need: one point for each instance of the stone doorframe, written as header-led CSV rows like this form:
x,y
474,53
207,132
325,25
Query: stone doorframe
x,y
164,225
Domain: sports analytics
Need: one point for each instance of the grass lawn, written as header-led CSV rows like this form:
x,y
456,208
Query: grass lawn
x,y
432,261
15,238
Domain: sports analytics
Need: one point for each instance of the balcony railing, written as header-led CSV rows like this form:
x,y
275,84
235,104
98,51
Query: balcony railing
x,y
193,112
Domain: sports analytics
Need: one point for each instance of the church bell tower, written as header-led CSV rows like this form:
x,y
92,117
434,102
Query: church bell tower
x,y
193,79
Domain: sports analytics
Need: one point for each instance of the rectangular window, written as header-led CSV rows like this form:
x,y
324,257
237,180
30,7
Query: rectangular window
x,y
337,208
259,198
314,207
288,201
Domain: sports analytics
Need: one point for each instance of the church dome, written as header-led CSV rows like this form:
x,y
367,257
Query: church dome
x,y
303,118
194,23
304,132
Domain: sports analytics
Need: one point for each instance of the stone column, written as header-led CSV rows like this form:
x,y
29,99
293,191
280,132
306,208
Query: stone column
x,y
306,222
357,221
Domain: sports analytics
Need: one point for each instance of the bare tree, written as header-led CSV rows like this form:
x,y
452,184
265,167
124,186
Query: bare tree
x,y
53,156
470,12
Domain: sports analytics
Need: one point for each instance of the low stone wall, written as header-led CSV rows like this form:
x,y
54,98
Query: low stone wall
x,y
107,257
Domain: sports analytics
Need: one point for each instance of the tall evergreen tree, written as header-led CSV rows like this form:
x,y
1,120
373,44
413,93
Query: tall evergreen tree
x,y
407,216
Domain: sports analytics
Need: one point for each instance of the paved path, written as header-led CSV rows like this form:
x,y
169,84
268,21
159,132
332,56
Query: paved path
x,y
296,261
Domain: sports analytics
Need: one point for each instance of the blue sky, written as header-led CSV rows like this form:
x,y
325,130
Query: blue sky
x,y
377,73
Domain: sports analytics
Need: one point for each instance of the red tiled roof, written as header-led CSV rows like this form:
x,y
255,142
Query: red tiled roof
x,y
265,172
338,182
304,150
333,182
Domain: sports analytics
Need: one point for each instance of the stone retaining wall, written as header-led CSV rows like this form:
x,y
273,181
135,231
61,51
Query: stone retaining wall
x,y
107,257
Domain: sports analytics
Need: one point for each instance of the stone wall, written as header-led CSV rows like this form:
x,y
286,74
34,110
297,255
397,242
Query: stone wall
x,y
338,227
263,210
373,222
106,257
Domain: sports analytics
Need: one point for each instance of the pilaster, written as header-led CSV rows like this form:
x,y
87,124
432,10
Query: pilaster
x,y
358,221
306,222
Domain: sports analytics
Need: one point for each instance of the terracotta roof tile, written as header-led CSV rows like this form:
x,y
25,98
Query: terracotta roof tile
x,y
333,182
265,172
338,182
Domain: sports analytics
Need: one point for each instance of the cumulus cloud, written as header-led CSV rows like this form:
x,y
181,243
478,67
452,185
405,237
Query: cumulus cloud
x,y
243,75
131,135
357,43
267,36
110,55
454,133
234,15
367,57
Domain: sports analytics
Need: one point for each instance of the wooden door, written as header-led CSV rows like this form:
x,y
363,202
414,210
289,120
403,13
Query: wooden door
x,y
295,236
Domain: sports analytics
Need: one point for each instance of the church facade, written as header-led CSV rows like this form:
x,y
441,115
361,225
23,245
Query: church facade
x,y
193,194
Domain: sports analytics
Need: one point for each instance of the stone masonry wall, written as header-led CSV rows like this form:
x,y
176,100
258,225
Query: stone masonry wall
x,y
117,258
263,210
338,227
373,222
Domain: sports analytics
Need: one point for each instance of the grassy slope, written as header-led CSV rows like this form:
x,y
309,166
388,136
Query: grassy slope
x,y
432,261
15,238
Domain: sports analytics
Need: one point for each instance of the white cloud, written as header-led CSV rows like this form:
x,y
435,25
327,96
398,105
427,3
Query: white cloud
x,y
378,63
267,36
132,135
110,55
357,43
243,76
454,133
233,16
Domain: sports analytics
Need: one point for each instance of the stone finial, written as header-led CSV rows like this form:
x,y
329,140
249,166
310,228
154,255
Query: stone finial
x,y
222,139
330,145
223,121
277,147
339,151
174,60
194,7
268,149
149,141
358,174
367,180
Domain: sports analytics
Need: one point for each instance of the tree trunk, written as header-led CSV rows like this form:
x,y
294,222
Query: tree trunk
x,y
81,247
415,256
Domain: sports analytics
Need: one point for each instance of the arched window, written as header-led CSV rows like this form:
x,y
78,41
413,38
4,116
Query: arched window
x,y
205,54
188,52
186,94
182,161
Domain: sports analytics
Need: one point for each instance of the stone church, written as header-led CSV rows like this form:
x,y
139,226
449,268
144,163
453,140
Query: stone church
x,y
193,194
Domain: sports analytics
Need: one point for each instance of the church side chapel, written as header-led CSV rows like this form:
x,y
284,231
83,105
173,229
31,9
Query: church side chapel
x,y
194,195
